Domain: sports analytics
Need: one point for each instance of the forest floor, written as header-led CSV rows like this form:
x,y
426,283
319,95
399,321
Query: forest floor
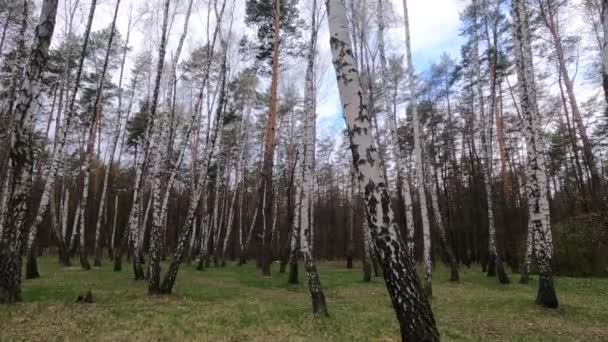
x,y
236,304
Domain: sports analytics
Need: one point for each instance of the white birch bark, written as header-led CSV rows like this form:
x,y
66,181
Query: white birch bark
x,y
426,229
171,275
409,300
308,169
155,243
114,222
445,244
604,15
65,206
536,186
4,202
495,262
20,162
396,152
57,156
75,223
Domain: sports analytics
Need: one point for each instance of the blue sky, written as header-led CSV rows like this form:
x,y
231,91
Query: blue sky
x,y
434,27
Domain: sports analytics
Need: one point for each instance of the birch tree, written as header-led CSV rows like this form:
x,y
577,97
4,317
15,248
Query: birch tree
x,y
395,149
307,169
426,229
154,264
114,142
92,133
408,298
61,138
604,15
20,162
495,260
536,188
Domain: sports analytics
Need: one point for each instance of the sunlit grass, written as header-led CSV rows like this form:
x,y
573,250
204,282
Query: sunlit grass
x,y
236,304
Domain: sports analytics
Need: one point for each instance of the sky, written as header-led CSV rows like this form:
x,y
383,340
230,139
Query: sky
x,y
435,29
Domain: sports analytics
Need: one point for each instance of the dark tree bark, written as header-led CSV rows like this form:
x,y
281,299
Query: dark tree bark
x,y
409,300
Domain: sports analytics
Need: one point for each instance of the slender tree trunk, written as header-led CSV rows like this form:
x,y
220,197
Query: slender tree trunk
x,y
604,14
495,260
106,177
426,230
409,300
397,153
184,236
308,168
97,112
443,238
548,12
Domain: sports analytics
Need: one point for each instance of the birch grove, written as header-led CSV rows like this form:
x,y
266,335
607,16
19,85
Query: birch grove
x,y
335,139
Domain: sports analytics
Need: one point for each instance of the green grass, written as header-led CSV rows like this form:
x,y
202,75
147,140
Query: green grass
x,y
236,304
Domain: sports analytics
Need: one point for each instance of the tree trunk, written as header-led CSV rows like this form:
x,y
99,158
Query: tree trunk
x,y
269,143
409,300
155,243
106,178
548,13
20,162
308,168
538,203
184,236
398,154
445,244
426,230
495,261
62,133
605,51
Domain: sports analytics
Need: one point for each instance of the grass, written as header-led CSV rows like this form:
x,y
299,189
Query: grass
x,y
236,304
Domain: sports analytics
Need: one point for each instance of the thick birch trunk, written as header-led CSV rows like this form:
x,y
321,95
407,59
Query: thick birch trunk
x,y
368,253
155,243
20,162
536,186
133,221
350,243
409,300
62,137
